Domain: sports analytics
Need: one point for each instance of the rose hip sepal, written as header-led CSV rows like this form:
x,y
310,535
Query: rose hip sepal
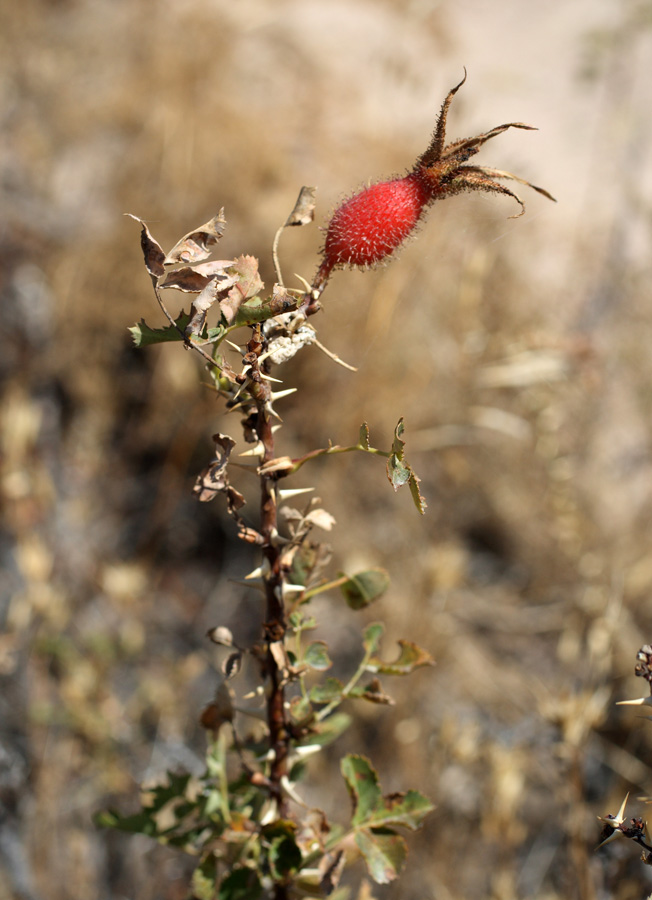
x,y
368,227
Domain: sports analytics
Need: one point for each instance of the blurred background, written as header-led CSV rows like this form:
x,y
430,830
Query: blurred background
x,y
517,350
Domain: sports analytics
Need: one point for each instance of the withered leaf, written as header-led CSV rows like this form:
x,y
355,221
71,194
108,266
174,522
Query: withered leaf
x,y
213,479
152,252
194,280
321,519
196,245
200,306
248,285
232,664
234,498
304,209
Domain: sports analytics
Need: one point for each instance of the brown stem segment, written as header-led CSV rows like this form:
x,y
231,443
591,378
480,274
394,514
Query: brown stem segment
x,y
275,612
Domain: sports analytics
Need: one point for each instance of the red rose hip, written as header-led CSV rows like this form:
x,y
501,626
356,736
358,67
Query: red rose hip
x,y
368,227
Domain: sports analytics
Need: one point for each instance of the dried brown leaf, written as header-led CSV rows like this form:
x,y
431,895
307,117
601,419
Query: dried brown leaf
x,y
152,252
304,209
200,306
248,284
196,245
213,479
194,280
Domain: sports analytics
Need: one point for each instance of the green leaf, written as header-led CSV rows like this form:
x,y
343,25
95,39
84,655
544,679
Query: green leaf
x,y
324,733
408,810
240,884
316,656
330,690
399,471
371,637
284,854
373,815
384,852
362,782
370,808
410,657
363,588
300,622
363,437
143,335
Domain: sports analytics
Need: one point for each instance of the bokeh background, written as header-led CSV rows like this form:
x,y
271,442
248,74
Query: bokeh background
x,y
518,351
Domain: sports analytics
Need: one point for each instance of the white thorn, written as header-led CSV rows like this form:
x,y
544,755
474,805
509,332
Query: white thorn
x,y
307,750
640,701
286,784
285,493
260,572
269,378
235,346
276,395
240,390
258,450
272,412
293,589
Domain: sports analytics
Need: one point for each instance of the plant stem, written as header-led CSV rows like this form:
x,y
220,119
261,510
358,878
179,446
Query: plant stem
x,y
274,625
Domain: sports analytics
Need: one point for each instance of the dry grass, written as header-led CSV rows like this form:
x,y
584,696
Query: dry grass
x,y
518,352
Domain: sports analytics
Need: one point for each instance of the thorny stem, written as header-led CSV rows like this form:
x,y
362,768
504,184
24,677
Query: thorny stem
x,y
274,613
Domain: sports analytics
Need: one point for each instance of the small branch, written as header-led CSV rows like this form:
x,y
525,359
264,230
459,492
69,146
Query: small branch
x,y
327,451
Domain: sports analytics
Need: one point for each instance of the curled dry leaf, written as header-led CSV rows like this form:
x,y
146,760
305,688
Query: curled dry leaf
x,y
196,245
304,209
194,280
200,306
248,284
321,519
152,252
214,479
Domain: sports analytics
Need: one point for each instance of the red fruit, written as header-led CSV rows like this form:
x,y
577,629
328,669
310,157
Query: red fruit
x,y
372,224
